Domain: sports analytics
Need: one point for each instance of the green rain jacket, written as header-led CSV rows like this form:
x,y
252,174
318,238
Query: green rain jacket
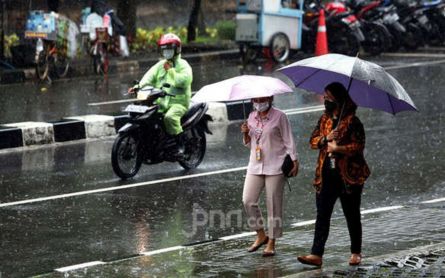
x,y
179,77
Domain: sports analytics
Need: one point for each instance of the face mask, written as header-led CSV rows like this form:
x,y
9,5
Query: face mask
x,y
330,106
261,106
168,53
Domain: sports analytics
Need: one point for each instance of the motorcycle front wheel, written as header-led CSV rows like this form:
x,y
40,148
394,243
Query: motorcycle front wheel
x,y
126,157
194,149
42,65
344,42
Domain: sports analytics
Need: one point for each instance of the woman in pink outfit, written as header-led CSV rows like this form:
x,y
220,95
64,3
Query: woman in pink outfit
x,y
268,134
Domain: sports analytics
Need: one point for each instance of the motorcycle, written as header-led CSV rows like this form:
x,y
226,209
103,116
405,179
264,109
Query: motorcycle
x,y
378,37
382,13
435,12
414,15
144,139
343,28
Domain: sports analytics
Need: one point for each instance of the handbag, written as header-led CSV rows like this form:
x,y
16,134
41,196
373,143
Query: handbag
x,y
287,166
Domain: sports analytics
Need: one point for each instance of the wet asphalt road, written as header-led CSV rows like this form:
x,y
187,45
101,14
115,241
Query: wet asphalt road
x,y
405,153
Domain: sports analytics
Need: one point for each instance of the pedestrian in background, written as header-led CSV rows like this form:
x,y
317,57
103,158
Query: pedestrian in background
x,y
340,173
268,134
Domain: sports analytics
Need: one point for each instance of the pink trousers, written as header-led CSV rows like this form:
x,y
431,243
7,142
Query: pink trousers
x,y
253,186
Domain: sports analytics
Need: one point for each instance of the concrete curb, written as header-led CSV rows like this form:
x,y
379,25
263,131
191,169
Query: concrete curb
x,y
25,134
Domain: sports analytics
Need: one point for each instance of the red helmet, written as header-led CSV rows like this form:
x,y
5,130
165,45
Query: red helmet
x,y
170,40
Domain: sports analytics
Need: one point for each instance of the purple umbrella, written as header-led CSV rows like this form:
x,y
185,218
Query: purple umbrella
x,y
368,84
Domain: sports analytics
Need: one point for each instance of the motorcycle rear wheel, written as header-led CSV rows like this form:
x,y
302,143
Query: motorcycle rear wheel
x,y
61,66
194,149
126,157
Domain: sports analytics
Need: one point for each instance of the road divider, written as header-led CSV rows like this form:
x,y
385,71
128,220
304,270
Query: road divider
x,y
100,126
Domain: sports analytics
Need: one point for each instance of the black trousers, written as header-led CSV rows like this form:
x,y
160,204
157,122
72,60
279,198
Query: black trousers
x,y
350,198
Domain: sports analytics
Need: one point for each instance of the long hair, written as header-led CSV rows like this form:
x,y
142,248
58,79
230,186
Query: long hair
x,y
341,96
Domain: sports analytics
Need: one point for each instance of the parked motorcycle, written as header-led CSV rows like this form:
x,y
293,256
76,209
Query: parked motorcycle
x,y
377,36
414,14
435,12
343,28
413,38
144,140
382,13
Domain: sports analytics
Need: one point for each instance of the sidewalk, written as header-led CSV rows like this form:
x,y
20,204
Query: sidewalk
x,y
405,241
82,66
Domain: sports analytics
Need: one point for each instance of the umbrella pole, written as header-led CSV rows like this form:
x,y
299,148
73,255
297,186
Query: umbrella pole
x,y
244,111
343,106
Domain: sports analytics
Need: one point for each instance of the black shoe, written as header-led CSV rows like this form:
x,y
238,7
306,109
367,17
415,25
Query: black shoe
x,y
178,149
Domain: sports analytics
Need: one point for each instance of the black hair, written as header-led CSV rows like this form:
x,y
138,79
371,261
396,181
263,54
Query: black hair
x,y
340,94
338,91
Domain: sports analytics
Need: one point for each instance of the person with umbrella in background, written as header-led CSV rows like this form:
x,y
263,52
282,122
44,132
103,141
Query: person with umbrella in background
x,y
268,134
341,171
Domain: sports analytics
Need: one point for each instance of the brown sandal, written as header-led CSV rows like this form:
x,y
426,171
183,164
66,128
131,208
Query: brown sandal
x,y
256,247
310,260
355,259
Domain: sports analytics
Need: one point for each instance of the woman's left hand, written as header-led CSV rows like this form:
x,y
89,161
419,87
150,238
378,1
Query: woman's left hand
x,y
294,170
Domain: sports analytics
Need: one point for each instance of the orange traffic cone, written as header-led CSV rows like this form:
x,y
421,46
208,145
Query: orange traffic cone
x,y
321,45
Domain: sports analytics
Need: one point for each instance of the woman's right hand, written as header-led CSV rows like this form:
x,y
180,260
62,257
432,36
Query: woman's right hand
x,y
332,135
245,128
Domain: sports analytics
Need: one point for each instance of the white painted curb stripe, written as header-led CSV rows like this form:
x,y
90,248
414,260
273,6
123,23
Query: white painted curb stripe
x,y
305,111
419,64
77,266
308,108
237,236
303,223
434,201
369,211
160,251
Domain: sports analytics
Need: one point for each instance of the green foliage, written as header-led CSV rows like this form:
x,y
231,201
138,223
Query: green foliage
x,y
212,32
10,41
145,39
226,29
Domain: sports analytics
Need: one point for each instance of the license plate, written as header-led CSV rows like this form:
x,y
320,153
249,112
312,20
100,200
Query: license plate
x,y
132,108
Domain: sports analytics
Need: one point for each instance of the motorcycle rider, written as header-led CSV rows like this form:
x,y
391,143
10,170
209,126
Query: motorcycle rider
x,y
176,72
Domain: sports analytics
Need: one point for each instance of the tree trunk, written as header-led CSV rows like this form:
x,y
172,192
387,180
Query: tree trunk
x,y
126,11
193,21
